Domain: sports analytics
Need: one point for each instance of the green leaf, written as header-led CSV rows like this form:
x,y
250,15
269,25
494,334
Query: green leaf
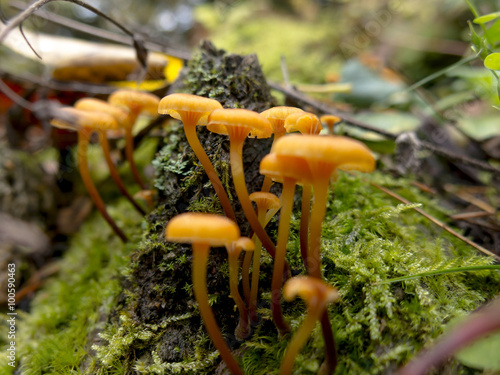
x,y
487,18
492,61
483,354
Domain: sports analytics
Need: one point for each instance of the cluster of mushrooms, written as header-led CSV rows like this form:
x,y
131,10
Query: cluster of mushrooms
x,y
307,159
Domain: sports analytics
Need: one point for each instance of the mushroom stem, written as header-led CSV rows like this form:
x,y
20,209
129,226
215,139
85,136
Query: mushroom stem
x,y
235,152
313,264
245,271
298,340
330,362
242,330
194,142
279,260
254,288
103,140
199,275
304,221
83,142
129,153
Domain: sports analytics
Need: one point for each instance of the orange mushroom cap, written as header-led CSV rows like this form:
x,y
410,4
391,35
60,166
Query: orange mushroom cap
x,y
337,151
243,243
330,120
213,230
267,201
312,290
97,105
77,119
279,167
305,123
135,101
221,121
177,104
277,117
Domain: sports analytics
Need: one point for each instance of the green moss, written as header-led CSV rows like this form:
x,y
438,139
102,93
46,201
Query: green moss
x,y
64,318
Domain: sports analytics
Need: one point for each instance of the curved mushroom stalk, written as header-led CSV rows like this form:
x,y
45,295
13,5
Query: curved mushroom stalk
x,y
136,102
204,231
85,123
193,110
233,251
317,295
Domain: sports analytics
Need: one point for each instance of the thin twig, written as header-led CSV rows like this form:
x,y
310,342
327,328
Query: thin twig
x,y
324,108
432,219
21,30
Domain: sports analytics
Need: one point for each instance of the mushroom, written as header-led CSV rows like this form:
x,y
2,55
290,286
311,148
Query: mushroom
x,y
290,171
97,105
324,155
267,205
204,231
136,102
277,117
193,110
317,295
330,121
305,123
86,123
238,124
233,252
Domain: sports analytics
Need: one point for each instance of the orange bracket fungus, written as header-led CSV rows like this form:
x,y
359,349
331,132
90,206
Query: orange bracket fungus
x,y
290,171
136,102
238,124
193,110
233,252
277,117
267,205
330,121
204,231
97,105
317,295
86,123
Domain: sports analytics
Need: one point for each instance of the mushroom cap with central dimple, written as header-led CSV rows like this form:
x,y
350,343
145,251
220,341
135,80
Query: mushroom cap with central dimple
x,y
278,115
336,151
310,289
174,104
98,105
77,119
210,229
305,123
136,101
221,120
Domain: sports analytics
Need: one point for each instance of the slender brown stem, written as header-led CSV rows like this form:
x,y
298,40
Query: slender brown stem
x,y
279,260
317,216
245,274
194,142
103,139
199,275
129,153
242,330
83,141
254,289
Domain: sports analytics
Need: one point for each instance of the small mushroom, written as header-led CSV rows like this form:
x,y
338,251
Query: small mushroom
x,y
193,110
238,124
233,252
330,121
267,205
305,123
317,295
86,123
290,171
204,231
97,105
277,117
136,102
